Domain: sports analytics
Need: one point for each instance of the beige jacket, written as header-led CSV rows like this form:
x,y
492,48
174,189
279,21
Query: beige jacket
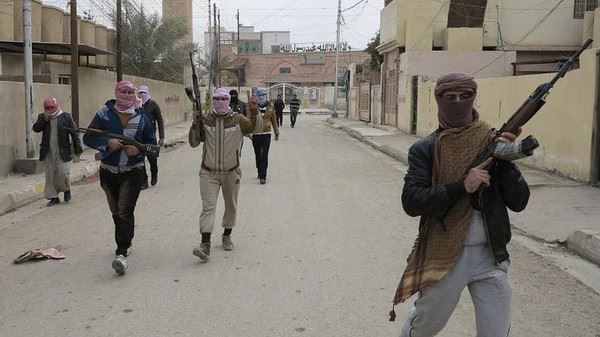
x,y
222,138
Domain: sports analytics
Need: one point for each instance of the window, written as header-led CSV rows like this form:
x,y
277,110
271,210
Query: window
x,y
275,49
64,79
285,70
582,6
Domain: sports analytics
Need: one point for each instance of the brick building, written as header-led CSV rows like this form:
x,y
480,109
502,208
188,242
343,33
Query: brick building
x,y
310,69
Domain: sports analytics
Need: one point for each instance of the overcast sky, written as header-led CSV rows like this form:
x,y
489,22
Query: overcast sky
x,y
307,20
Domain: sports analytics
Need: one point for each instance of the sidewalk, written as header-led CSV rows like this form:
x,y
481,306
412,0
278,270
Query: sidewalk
x,y
17,190
559,210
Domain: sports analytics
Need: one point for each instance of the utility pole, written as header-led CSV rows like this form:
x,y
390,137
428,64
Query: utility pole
x,y
238,52
210,47
119,41
219,47
215,65
28,59
337,57
74,63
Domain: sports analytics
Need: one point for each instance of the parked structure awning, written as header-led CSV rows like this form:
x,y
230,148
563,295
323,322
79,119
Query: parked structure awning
x,y
51,48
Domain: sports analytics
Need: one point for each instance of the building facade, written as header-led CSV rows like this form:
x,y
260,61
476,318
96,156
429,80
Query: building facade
x,y
495,38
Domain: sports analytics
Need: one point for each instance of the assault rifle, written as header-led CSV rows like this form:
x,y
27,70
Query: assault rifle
x,y
148,149
527,110
193,93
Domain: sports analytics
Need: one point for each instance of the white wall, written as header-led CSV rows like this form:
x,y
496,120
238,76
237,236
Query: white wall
x,y
274,39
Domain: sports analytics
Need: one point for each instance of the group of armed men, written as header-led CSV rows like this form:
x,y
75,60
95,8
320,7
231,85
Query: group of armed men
x,y
462,239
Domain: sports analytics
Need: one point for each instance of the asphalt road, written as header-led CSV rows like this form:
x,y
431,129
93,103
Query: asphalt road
x,y
319,252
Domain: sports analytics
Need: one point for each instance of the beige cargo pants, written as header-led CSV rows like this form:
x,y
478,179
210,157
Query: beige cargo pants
x,y
210,185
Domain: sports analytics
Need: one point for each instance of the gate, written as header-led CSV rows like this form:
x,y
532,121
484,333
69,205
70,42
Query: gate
x,y
390,108
364,102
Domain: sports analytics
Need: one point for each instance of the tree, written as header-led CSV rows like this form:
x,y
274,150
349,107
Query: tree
x,y
376,58
152,46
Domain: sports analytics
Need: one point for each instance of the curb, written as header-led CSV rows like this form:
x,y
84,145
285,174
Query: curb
x,y
399,155
586,243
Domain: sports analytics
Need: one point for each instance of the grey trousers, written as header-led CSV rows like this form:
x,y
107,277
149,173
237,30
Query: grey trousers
x,y
490,290
210,185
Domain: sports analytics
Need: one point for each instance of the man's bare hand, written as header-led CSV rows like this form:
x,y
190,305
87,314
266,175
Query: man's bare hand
x,y
161,142
131,151
114,144
477,176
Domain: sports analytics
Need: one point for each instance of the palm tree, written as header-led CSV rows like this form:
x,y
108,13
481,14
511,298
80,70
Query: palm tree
x,y
152,47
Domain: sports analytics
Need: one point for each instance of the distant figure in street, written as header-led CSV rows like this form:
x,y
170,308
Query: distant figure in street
x,y
55,150
122,166
462,234
221,130
236,104
294,109
261,137
279,106
152,111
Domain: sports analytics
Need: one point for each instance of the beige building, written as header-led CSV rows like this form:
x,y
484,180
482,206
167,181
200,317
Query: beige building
x,y
493,38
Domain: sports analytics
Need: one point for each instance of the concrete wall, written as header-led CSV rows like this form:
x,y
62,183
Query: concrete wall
x,y
12,112
558,29
96,86
376,105
564,126
434,64
463,39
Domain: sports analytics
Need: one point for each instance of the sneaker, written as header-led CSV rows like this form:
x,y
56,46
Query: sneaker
x,y
53,201
119,264
203,251
154,179
227,243
67,195
263,181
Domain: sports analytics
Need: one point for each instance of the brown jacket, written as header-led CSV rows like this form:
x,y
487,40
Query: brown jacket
x,y
265,121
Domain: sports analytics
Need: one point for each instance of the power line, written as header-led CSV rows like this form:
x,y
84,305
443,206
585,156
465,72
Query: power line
x,y
523,37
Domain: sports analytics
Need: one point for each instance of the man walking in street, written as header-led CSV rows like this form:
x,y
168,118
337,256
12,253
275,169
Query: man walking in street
x,y
122,167
279,106
55,151
152,111
462,234
236,104
294,109
261,137
221,130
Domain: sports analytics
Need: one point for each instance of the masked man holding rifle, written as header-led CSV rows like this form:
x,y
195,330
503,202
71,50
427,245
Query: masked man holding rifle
x,y
122,168
461,243
221,130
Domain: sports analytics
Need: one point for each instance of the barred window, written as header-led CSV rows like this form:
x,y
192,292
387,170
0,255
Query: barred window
x,y
582,6
285,70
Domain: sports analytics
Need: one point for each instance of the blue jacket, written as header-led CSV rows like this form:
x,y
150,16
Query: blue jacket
x,y
138,127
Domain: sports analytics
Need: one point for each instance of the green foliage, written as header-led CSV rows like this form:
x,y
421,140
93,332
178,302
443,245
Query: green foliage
x,y
152,47
376,58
